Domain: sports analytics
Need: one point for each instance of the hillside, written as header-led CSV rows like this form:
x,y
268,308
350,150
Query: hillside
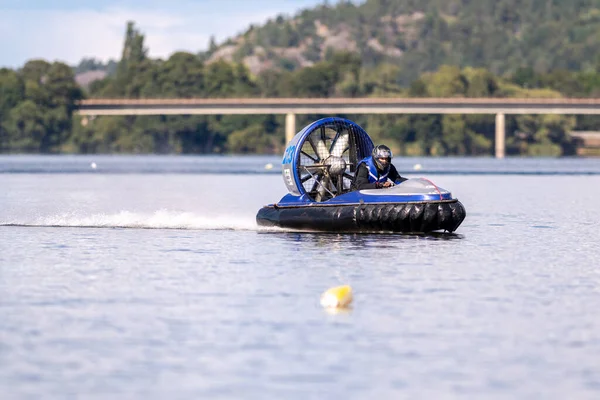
x,y
421,35
503,48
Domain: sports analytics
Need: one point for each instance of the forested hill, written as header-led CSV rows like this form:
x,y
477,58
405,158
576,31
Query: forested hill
x,y
421,35
401,48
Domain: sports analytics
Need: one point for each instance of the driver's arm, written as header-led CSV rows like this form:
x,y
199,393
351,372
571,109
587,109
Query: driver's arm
x,y
394,176
361,179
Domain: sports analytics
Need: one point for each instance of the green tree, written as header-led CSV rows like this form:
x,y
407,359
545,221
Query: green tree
x,y
133,62
181,76
12,92
381,81
25,128
480,82
448,81
220,79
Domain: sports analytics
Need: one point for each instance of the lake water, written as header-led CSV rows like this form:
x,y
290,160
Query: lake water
x,y
147,277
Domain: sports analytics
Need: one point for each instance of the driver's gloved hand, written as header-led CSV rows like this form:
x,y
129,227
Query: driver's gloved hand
x,y
378,185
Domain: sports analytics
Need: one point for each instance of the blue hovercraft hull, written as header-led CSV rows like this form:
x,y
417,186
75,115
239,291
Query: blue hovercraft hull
x,y
319,169
415,206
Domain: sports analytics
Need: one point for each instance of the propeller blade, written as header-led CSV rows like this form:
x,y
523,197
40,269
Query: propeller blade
x,y
309,156
323,187
318,177
314,147
307,177
340,144
322,150
319,147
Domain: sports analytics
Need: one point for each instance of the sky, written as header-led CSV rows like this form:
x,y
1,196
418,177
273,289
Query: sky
x,y
70,30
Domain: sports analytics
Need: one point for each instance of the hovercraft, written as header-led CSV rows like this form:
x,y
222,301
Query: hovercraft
x,y
318,169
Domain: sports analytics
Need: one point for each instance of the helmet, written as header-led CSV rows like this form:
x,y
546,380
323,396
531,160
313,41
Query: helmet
x,y
382,156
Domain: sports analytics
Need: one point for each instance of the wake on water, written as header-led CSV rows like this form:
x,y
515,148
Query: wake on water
x,y
164,219
161,219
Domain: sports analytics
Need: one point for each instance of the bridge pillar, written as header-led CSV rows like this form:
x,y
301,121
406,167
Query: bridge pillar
x,y
290,127
500,135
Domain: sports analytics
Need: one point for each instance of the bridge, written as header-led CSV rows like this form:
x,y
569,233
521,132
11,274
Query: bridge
x,y
334,106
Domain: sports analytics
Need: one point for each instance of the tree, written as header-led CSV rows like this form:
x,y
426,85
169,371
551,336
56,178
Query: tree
x,y
12,92
34,74
381,81
220,78
182,75
133,58
212,44
480,82
25,128
448,81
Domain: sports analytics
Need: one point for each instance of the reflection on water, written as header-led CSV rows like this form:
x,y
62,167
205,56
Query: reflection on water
x,y
344,311
359,239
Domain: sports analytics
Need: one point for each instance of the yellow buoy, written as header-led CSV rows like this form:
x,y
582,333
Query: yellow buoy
x,y
337,297
269,166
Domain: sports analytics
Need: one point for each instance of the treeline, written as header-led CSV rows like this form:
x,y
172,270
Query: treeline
x,y
37,103
36,107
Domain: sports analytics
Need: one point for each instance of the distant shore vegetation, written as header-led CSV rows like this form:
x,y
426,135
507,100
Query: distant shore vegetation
x,y
37,104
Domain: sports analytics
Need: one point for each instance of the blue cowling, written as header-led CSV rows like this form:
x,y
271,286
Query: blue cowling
x,y
332,143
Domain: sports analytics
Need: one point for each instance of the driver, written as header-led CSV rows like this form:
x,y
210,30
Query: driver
x,y
376,171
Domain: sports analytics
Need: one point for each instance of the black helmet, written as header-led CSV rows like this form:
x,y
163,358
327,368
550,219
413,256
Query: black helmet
x,y
382,152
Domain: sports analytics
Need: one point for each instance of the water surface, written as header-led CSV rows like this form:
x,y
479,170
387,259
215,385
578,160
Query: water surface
x,y
147,277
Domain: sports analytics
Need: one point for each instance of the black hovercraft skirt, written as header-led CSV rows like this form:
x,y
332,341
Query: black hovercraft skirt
x,y
413,217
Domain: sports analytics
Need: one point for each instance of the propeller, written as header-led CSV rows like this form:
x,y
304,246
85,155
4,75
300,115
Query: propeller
x,y
325,162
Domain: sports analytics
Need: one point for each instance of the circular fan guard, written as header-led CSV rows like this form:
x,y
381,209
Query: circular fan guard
x,y
320,161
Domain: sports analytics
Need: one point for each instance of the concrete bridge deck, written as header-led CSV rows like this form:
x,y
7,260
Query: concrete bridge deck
x,y
333,106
